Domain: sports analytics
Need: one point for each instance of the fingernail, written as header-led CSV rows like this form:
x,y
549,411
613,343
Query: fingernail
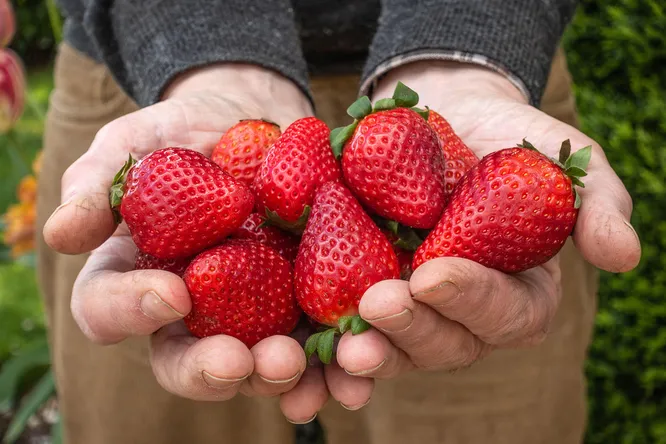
x,y
155,308
62,205
355,407
395,322
633,230
303,422
279,381
365,372
441,294
221,383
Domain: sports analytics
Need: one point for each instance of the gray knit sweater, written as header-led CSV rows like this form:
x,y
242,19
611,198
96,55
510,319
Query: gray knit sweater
x,y
145,43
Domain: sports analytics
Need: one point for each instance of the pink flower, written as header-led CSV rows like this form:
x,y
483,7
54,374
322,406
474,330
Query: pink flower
x,y
7,23
12,89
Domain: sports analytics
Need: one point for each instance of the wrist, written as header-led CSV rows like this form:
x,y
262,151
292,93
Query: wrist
x,y
260,87
437,81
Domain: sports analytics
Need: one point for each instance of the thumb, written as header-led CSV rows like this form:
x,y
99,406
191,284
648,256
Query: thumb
x,y
84,220
603,233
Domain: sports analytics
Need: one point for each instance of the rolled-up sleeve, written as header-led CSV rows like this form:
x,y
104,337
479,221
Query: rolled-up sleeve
x,y
517,38
146,43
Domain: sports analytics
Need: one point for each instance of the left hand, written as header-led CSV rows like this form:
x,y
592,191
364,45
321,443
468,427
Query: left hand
x,y
454,311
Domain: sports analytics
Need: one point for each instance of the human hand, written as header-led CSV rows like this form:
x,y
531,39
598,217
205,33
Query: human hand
x,y
111,301
454,311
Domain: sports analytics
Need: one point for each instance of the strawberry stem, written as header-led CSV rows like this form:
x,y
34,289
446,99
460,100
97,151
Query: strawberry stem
x,y
117,189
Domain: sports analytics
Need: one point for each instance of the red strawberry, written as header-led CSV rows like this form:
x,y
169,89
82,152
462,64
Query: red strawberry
x,y
243,148
404,251
177,202
143,261
243,289
299,162
342,254
458,157
255,228
392,160
512,211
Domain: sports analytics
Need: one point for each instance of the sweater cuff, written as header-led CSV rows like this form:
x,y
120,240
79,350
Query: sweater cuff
x,y
370,82
519,37
147,43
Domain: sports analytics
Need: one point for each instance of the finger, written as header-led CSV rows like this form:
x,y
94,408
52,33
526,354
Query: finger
x,y
370,354
301,404
110,303
430,340
84,220
209,369
496,307
279,363
352,392
603,233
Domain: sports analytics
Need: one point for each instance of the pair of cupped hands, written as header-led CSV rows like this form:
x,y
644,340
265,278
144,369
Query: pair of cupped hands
x,y
451,313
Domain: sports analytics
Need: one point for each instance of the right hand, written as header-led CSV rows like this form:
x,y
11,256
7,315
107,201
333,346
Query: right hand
x,y
111,301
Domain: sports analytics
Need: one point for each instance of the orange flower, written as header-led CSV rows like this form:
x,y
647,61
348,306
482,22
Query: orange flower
x,y
12,89
20,227
7,23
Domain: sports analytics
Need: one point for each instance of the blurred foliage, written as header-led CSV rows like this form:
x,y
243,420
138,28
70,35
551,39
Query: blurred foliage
x,y
617,54
35,40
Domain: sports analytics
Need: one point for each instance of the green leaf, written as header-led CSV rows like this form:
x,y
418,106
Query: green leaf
x,y
358,325
311,345
384,104
56,432
325,345
339,137
117,188
44,390
344,323
580,158
360,108
393,226
565,151
14,369
528,145
578,201
422,112
405,96
408,239
295,227
575,172
577,181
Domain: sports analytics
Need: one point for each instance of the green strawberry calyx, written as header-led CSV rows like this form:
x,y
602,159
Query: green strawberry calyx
x,y
296,227
117,189
403,97
406,237
322,342
573,165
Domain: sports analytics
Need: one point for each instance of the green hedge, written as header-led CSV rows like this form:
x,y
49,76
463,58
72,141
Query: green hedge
x,y
617,54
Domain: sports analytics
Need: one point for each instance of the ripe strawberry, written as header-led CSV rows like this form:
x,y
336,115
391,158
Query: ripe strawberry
x,y
243,289
143,261
177,202
255,228
457,156
342,254
243,148
392,160
404,251
298,163
512,211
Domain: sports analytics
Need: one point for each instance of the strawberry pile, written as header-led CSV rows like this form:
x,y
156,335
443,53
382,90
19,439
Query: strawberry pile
x,y
276,225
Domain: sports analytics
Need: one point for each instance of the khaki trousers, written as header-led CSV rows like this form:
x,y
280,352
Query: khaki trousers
x,y
108,395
